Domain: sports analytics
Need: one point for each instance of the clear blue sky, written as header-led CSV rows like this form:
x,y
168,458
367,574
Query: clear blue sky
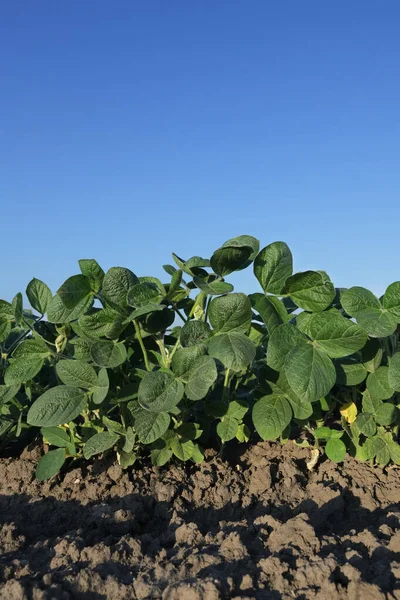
x,y
131,129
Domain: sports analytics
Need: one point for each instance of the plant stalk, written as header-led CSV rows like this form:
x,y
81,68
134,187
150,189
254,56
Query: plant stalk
x,y
142,346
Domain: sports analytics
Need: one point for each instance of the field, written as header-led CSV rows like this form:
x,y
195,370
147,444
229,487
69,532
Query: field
x,y
259,527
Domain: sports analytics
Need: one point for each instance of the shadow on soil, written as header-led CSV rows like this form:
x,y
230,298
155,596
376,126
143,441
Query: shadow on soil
x,y
39,525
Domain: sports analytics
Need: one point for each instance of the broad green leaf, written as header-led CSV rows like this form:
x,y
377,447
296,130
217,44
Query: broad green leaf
x,y
335,334
32,348
159,321
50,464
100,442
7,393
213,288
58,405
182,450
108,354
357,299
335,450
150,426
230,313
349,371
310,372
394,451
39,295
272,267
243,433
394,372
227,259
142,294
102,323
194,332
23,369
271,415
192,266
6,311
227,428
200,378
271,309
366,424
58,313
301,410
380,449
154,281
55,436
370,404
233,349
93,271
76,373
116,284
160,392
237,408
74,290
391,300
310,290
126,459
197,454
372,354
184,358
282,340
17,308
386,414
376,322
378,384
242,241
160,457
189,431
5,330
146,310
100,391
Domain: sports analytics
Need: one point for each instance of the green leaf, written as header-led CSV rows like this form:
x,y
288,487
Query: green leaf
x,y
32,348
58,405
200,378
335,450
39,295
372,354
108,354
92,270
233,349
213,288
55,436
182,450
271,415
159,321
6,311
227,259
126,459
376,322
380,450
184,358
5,330
23,369
349,371
100,391
160,392
310,372
7,393
310,290
230,313
50,464
271,310
366,424
100,442
378,384
237,408
301,410
194,332
17,308
370,404
116,285
76,373
74,290
335,334
242,241
394,372
282,340
272,267
227,428
102,323
143,294
386,414
160,457
58,313
391,300
150,426
357,299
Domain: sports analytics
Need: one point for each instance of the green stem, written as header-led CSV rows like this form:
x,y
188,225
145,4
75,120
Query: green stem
x,y
142,346
225,395
178,312
164,355
174,349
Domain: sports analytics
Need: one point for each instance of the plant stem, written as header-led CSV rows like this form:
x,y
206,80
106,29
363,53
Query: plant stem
x,y
225,395
164,355
178,312
174,349
142,346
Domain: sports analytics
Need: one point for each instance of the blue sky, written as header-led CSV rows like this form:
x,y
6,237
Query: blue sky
x,y
130,130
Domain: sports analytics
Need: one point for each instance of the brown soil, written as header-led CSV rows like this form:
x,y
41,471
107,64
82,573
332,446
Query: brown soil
x,y
263,528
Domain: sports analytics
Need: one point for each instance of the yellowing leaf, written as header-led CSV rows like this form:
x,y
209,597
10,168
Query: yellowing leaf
x,y
349,412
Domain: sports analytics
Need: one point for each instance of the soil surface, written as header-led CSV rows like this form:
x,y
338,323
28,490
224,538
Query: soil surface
x,y
263,527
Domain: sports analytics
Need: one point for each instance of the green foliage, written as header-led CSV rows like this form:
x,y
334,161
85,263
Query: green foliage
x,y
129,365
